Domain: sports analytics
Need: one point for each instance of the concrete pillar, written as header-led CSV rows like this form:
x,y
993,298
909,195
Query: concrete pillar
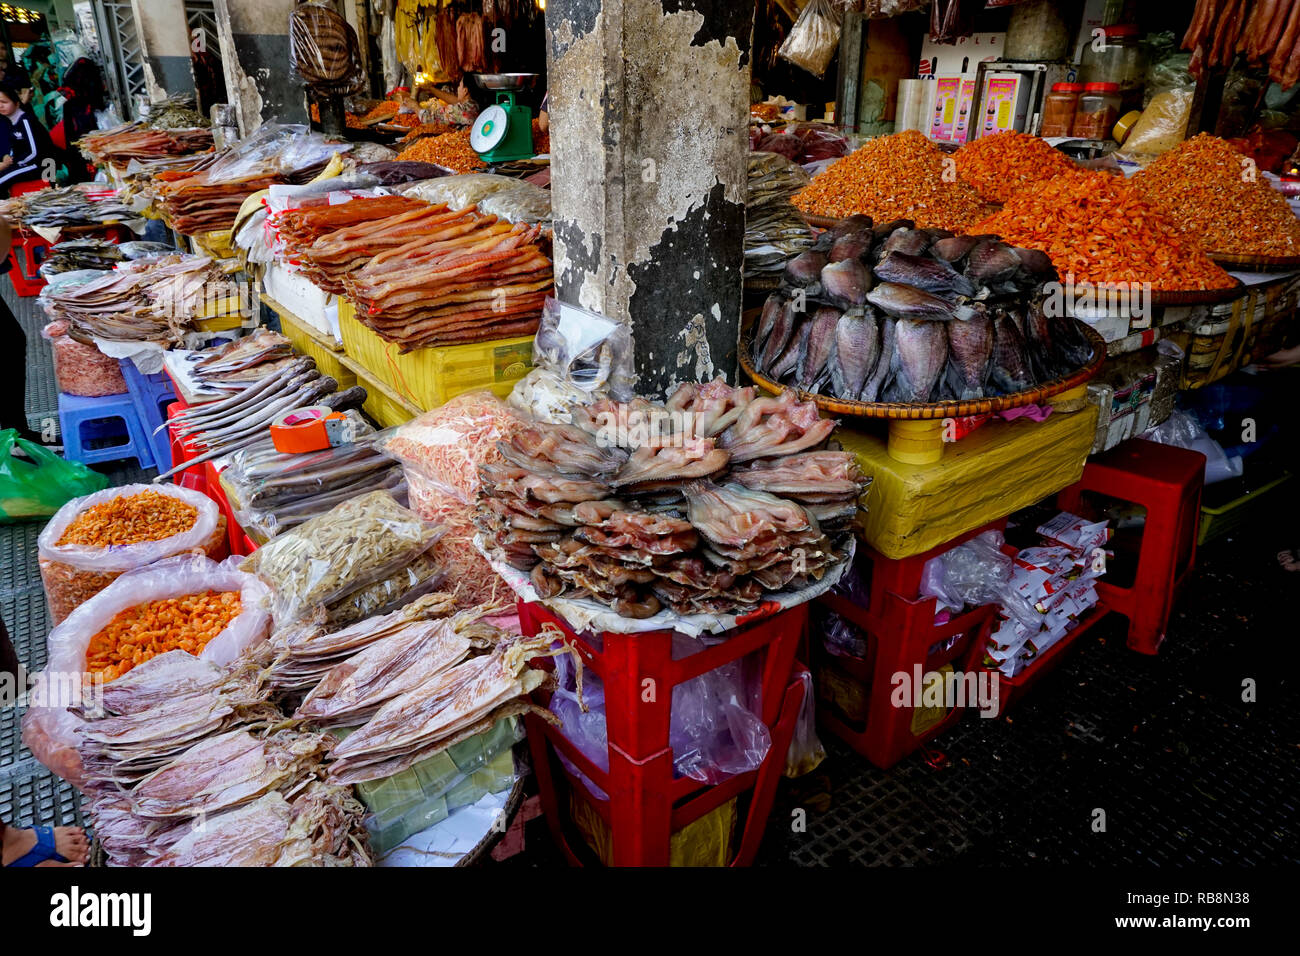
x,y
165,43
255,54
650,104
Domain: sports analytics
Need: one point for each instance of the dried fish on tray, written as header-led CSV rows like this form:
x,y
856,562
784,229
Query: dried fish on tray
x,y
358,542
888,312
271,492
80,205
154,301
774,229
243,419
643,507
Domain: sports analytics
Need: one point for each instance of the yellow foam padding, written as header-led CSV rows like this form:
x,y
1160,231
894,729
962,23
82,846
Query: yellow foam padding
x,y
998,468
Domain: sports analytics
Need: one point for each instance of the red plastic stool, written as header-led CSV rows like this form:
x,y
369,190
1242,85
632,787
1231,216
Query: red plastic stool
x,y
646,802
1167,481
902,638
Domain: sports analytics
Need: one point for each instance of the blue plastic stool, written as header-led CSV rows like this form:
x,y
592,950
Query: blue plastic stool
x,y
80,418
151,395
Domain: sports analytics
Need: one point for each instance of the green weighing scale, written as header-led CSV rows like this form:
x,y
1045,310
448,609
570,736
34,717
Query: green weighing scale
x,y
504,131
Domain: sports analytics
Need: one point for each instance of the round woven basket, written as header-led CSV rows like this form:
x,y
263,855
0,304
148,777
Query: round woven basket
x,y
1240,263
933,410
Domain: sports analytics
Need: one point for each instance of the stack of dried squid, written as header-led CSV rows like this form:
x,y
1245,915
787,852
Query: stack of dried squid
x,y
153,300
642,506
424,274
179,739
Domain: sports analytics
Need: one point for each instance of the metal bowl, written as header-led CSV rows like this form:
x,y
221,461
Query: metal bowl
x,y
505,81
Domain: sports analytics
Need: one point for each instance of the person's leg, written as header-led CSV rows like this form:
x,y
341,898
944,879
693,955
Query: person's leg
x,y
13,381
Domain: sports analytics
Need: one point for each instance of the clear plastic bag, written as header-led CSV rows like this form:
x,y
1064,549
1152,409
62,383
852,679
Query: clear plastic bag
x,y
349,547
1161,127
323,50
814,38
444,447
522,202
713,732
576,352
128,556
458,192
82,369
970,575
806,751
49,730
1184,431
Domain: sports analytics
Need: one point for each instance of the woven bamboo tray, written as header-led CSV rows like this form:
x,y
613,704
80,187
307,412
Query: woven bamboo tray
x,y
899,411
1240,263
1197,296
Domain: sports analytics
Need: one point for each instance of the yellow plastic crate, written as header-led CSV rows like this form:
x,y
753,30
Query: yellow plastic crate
x,y
707,841
382,404
218,244
1223,520
430,377
307,340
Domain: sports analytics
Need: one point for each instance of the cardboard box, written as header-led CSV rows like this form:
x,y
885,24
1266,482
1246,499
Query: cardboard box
x,y
962,57
1004,105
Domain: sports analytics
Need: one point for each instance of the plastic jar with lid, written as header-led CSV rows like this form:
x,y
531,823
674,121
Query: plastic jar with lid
x,y
1121,59
1097,112
1059,107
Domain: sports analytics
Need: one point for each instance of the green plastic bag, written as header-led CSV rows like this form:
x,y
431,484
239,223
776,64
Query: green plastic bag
x,y
43,483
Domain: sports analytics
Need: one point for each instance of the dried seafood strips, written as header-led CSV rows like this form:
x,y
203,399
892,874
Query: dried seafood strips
x,y
352,691
1214,195
456,704
893,177
228,770
305,652
474,277
136,141
1099,229
349,547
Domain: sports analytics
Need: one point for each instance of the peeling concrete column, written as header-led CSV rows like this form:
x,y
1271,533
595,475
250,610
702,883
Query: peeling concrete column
x,y
255,55
165,40
649,149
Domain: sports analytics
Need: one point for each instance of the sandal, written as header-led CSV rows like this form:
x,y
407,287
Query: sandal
x,y
42,851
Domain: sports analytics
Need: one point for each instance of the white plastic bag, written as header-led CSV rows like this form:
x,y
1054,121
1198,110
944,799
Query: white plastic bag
x,y
814,38
1184,431
49,730
129,556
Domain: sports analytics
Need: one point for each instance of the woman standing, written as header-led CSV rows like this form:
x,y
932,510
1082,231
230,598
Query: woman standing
x,y
83,95
32,154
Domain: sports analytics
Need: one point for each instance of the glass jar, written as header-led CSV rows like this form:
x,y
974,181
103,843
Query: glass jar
x,y
1121,59
1036,32
1097,112
1059,107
